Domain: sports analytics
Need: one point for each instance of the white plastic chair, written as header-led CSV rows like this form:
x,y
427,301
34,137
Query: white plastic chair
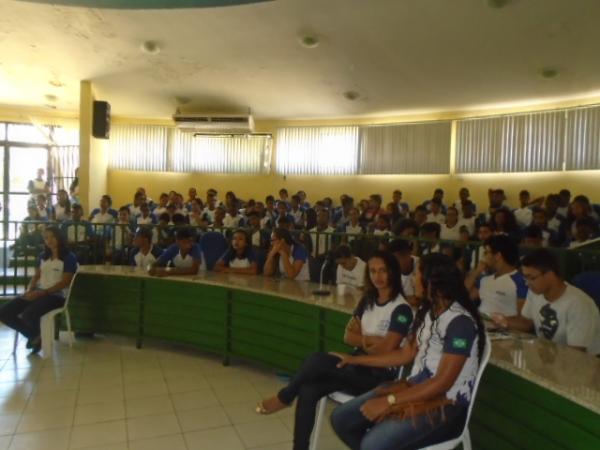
x,y
464,438
47,324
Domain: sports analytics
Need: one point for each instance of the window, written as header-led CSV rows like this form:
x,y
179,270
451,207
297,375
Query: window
x,y
422,148
243,154
512,143
317,150
138,147
583,139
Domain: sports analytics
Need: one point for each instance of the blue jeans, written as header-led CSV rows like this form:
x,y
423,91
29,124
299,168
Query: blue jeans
x,y
359,433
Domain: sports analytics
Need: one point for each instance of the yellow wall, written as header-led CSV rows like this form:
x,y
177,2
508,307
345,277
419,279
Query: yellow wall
x,y
416,188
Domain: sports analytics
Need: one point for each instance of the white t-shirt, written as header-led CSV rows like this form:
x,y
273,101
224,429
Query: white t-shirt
x,y
524,216
231,222
141,260
396,315
573,319
500,294
60,213
469,223
323,244
451,234
453,332
436,218
354,277
52,270
297,252
408,280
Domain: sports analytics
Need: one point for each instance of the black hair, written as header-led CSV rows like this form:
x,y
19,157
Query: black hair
x,y
246,238
421,208
124,208
394,280
296,197
77,206
533,232
343,251
68,205
164,216
108,198
404,224
185,233
438,191
581,199
506,246
283,190
524,192
179,219
564,192
511,225
144,232
376,197
399,246
63,250
284,234
431,227
442,279
269,198
588,222
542,260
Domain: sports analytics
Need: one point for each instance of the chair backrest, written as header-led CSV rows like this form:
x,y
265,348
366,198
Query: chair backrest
x,y
213,246
487,351
589,282
70,288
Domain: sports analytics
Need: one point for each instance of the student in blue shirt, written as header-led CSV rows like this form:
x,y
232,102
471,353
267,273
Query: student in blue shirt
x,y
47,289
144,253
287,257
184,256
239,258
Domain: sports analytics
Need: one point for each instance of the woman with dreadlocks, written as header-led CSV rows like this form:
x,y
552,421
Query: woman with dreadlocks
x,y
445,346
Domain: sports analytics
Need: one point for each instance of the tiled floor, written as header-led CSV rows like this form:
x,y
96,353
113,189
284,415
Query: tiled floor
x,y
104,394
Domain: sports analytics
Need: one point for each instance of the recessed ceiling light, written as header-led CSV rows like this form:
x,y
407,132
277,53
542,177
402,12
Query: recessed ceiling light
x,y
549,72
56,83
180,100
50,98
150,48
50,106
351,95
309,41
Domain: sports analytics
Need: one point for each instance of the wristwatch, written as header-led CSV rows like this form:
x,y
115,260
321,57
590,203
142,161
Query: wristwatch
x,y
391,399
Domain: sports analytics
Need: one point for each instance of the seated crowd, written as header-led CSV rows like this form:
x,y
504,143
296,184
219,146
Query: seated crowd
x,y
422,302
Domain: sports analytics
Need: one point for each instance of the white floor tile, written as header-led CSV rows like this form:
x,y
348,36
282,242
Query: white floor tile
x,y
215,438
201,419
103,433
151,426
147,406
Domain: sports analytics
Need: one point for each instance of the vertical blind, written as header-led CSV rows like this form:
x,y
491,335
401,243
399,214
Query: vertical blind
x,y
138,147
221,154
583,139
317,150
406,149
512,143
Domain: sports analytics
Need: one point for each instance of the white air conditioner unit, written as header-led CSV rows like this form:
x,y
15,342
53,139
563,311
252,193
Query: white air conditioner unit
x,y
214,124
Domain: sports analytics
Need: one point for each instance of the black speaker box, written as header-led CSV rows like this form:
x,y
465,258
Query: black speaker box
x,y
101,120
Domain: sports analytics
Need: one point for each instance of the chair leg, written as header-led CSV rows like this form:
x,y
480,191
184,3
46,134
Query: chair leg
x,y
466,442
314,442
68,320
16,342
47,328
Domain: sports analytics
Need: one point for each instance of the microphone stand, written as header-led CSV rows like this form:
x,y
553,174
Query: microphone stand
x,y
321,291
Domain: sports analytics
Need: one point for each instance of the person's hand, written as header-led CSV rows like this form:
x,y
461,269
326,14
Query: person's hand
x,y
373,409
481,266
275,248
345,359
500,320
284,249
33,295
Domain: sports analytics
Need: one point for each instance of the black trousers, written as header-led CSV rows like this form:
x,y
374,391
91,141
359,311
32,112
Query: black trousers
x,y
24,315
318,377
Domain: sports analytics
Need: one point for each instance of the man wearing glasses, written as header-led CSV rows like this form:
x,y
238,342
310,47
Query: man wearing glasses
x,y
554,309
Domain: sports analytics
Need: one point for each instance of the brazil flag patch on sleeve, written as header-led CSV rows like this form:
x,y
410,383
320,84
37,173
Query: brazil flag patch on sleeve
x,y
402,319
459,343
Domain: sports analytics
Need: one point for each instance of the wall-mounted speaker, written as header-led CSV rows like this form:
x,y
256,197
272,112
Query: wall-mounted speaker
x,y
101,120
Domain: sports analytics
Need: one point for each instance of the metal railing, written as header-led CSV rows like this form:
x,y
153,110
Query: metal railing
x,y
113,244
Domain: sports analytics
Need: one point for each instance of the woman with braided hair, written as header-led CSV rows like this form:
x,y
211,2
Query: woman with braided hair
x,y
445,346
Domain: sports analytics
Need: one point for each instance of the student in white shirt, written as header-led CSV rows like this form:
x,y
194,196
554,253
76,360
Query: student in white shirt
x,y
353,226
445,346
62,208
402,251
286,257
184,257
46,212
47,289
103,215
467,217
233,219
402,207
430,232
145,253
134,208
450,230
436,215
463,199
379,325
350,268
555,310
145,218
504,290
239,257
524,215
321,234
163,201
